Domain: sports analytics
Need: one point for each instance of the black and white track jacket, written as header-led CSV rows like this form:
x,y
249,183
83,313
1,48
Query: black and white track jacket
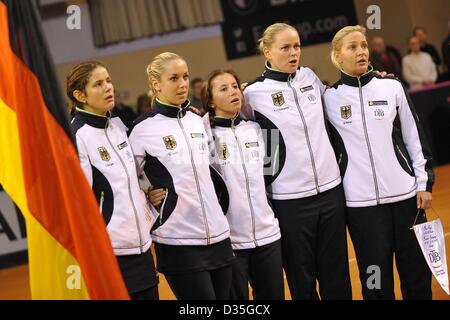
x,y
302,159
172,146
380,145
108,163
239,157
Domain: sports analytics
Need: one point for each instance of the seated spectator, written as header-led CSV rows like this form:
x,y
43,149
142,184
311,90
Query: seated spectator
x,y
385,58
144,104
196,101
421,34
125,113
418,67
446,54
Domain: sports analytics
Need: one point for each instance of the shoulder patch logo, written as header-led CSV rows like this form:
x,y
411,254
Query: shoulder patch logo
x,y
104,154
346,112
278,99
170,142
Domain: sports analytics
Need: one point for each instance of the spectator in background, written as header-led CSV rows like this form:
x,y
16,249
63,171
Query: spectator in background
x,y
421,34
125,113
143,104
446,54
197,86
418,67
386,58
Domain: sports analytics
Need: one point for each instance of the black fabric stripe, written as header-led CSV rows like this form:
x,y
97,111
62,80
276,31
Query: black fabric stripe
x,y
339,148
160,177
28,43
268,125
101,184
221,190
397,140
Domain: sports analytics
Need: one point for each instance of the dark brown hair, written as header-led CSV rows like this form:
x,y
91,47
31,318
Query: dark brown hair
x,y
207,95
78,78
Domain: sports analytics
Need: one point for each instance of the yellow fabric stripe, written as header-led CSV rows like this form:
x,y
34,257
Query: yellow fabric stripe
x,y
50,263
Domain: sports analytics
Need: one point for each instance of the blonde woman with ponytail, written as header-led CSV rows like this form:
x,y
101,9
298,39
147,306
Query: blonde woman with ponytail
x,y
191,234
303,183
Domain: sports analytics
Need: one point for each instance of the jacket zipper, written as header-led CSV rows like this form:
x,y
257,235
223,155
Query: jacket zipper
x,y
129,185
162,206
316,180
233,128
208,240
372,162
102,198
404,158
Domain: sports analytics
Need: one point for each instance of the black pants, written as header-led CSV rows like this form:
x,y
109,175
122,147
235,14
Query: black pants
x,y
377,234
314,245
263,268
203,285
147,294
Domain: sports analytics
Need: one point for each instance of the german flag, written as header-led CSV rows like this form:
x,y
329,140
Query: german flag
x,y
70,254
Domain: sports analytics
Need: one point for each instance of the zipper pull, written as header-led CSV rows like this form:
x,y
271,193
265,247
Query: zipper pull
x,y
102,199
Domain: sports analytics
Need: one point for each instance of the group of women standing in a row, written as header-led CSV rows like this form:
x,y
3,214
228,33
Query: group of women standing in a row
x,y
222,217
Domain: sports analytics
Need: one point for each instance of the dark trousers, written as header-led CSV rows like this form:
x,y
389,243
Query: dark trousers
x,y
314,245
263,268
203,285
147,294
380,232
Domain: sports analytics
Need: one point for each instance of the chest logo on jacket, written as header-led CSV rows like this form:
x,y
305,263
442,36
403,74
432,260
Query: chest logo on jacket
x,y
278,99
170,142
104,154
346,112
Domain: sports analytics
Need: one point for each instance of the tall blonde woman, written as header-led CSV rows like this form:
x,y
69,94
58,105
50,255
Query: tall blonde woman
x,y
191,235
303,181
385,162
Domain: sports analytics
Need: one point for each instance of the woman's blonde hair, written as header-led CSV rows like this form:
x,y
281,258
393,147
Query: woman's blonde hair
x,y
157,67
268,38
336,43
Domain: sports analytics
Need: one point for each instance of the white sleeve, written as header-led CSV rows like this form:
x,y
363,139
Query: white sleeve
x,y
247,112
415,142
138,149
84,159
210,136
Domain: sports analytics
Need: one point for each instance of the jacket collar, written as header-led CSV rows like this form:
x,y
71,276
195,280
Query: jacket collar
x,y
353,81
227,122
277,75
92,119
170,110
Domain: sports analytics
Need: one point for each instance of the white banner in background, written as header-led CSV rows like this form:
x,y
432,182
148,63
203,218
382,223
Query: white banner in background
x,y
432,242
12,227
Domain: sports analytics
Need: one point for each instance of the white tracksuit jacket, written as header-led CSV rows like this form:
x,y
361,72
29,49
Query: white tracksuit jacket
x,y
303,163
238,153
108,163
172,146
380,145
